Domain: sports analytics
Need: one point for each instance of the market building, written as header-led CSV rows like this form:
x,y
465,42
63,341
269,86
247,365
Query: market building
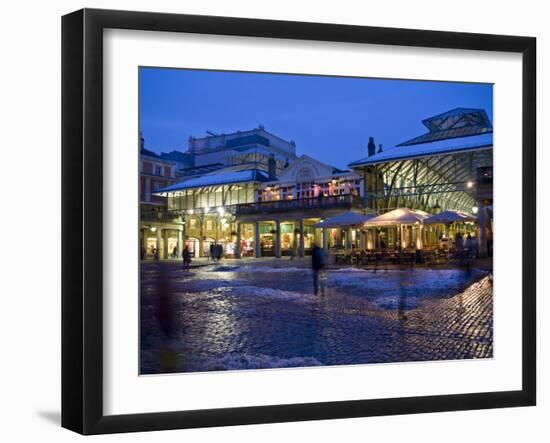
x,y
252,193
256,196
450,167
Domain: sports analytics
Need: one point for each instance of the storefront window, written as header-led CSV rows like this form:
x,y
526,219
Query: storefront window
x,y
308,236
267,238
193,245
247,240
287,236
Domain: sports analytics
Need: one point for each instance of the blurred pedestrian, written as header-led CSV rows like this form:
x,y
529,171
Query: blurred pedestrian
x,y
471,244
317,264
186,258
459,244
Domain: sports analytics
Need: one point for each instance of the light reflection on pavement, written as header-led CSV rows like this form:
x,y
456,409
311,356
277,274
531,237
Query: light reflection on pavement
x,y
227,317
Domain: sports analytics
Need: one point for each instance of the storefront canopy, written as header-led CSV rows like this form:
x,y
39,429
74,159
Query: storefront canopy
x,y
400,216
447,217
345,220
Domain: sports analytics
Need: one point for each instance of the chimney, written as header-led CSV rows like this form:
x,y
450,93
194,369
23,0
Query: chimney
x,y
371,147
379,148
272,167
141,141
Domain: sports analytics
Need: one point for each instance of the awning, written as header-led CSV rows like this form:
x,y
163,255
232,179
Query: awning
x,y
400,216
447,217
345,220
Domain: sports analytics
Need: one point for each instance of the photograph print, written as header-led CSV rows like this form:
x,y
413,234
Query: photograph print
x,y
292,221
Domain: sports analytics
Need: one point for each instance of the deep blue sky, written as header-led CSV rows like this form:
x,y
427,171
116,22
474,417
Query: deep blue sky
x,y
329,118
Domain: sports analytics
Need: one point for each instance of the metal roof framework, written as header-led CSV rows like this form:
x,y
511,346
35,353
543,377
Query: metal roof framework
x,y
435,171
434,183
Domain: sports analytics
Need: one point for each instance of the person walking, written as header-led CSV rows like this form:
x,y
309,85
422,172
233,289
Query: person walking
x,y
317,264
459,244
471,244
186,258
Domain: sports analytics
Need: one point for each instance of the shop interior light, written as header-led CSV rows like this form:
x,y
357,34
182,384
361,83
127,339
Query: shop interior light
x,y
470,184
153,228
474,209
190,211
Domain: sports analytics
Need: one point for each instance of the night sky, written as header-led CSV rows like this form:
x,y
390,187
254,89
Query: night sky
x,y
329,118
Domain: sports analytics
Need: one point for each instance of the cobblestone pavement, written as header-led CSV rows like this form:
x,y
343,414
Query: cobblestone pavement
x,y
230,317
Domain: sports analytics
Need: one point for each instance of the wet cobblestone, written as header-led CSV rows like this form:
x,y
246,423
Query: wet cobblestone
x,y
222,317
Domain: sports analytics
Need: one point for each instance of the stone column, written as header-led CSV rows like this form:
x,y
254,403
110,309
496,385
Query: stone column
x,y
238,251
325,241
481,230
419,242
366,198
349,243
180,242
202,220
165,252
142,245
302,238
201,247
363,235
257,250
278,239
159,238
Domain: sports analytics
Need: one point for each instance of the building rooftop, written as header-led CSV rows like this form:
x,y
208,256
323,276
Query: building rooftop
x,y
452,145
460,129
146,153
178,156
200,170
240,139
225,177
458,122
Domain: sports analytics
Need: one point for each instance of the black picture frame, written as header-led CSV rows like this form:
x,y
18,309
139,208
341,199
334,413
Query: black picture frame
x,y
82,190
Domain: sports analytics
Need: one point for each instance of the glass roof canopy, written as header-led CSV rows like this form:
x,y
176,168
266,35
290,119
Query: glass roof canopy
x,y
436,171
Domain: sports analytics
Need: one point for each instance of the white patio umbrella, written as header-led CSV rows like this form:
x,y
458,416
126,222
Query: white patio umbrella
x,y
399,217
345,220
447,217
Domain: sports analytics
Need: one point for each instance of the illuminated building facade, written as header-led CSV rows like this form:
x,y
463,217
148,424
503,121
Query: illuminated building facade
x,y
252,193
